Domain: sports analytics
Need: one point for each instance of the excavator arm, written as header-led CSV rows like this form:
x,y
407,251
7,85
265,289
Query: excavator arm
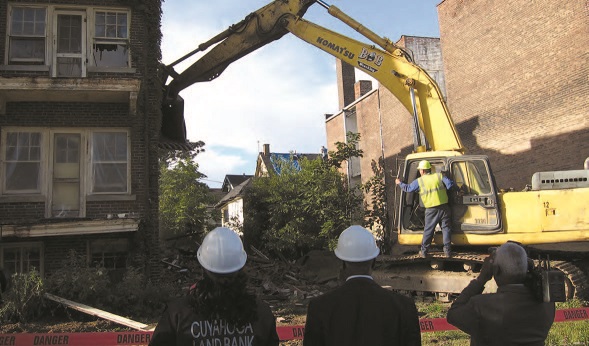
x,y
391,65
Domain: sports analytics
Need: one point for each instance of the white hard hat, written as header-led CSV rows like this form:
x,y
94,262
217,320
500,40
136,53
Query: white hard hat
x,y
356,244
222,251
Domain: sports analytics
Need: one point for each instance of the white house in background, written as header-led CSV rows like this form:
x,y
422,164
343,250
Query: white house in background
x,y
231,206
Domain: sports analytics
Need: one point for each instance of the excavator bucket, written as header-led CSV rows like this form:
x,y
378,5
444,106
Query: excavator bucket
x,y
173,125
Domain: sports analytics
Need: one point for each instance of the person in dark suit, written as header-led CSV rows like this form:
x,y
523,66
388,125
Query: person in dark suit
x,y
512,316
360,312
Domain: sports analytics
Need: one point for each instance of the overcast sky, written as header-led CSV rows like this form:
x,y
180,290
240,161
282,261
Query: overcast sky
x,y
278,94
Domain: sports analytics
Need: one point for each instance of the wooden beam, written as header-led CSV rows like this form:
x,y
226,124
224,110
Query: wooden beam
x,y
99,313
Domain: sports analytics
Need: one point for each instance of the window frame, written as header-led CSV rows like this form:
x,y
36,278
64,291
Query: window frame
x,y
90,175
82,55
10,35
46,163
50,171
89,35
42,162
96,248
94,39
21,246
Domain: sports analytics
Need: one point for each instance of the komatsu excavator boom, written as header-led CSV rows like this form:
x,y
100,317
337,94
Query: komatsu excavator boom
x,y
391,65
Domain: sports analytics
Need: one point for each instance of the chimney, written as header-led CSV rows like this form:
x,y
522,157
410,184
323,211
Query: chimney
x,y
346,78
361,88
266,151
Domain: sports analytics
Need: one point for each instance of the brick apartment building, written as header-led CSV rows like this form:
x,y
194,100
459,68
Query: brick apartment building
x,y
517,84
79,132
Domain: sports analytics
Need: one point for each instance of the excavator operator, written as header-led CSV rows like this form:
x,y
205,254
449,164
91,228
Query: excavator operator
x,y
432,192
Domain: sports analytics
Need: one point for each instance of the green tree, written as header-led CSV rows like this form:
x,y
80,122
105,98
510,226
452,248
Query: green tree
x,y
345,151
183,198
375,212
304,207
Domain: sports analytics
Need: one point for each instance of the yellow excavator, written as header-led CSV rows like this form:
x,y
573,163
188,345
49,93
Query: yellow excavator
x,y
551,217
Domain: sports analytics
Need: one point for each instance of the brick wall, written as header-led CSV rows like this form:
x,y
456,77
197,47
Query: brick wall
x,y
346,77
334,127
517,83
144,132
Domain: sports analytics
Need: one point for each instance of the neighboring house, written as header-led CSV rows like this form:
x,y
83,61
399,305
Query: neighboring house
x,y
268,163
231,181
231,205
79,133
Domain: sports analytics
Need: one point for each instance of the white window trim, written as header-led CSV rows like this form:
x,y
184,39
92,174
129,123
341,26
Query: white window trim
x,y
88,34
43,161
92,36
8,33
89,186
49,175
84,52
46,169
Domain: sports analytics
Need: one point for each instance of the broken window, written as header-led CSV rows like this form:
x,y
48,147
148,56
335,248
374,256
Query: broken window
x,y
109,162
111,45
27,36
22,167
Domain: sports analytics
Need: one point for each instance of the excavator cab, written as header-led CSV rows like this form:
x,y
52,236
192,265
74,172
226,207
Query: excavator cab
x,y
475,206
473,199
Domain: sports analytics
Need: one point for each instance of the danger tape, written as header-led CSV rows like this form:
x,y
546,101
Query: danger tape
x,y
284,333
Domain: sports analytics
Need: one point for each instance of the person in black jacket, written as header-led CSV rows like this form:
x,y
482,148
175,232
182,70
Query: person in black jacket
x,y
512,316
219,310
360,312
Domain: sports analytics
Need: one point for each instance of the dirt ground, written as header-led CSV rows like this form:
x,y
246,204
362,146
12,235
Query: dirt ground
x,y
286,286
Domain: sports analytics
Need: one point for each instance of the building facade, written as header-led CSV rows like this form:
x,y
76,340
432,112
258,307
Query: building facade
x,y
80,127
517,84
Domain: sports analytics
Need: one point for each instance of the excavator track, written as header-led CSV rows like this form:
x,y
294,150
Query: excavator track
x,y
444,277
577,284
469,257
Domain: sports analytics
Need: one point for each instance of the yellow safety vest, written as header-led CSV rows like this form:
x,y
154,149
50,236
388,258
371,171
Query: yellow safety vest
x,y
432,190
